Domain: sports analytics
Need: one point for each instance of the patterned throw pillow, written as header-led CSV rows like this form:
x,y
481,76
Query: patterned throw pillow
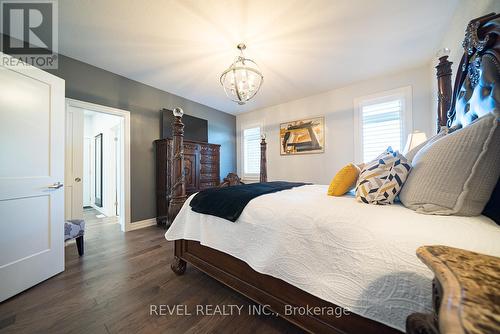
x,y
382,179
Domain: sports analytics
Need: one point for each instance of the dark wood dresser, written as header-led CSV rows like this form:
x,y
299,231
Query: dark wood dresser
x,y
201,167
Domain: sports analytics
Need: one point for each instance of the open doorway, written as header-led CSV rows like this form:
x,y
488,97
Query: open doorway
x,y
102,167
97,165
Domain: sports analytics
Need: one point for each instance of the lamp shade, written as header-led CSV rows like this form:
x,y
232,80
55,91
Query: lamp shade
x,y
414,139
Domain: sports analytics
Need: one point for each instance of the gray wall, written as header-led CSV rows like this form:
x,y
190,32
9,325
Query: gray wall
x,y
91,84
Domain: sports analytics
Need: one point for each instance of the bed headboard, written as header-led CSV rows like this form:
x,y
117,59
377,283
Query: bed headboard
x,y
475,92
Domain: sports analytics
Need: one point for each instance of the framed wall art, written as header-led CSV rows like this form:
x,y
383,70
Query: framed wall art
x,y
305,136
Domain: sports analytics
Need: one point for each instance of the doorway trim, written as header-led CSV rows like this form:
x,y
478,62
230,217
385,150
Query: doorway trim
x,y
125,217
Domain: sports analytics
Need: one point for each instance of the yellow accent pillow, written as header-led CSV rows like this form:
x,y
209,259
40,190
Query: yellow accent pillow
x,y
344,180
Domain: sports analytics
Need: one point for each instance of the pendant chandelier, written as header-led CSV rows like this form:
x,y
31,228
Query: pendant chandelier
x,y
242,80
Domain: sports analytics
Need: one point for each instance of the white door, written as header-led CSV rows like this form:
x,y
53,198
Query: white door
x,y
31,176
116,167
87,167
73,178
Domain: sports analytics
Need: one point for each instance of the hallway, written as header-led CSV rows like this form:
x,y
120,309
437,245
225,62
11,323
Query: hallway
x,y
95,226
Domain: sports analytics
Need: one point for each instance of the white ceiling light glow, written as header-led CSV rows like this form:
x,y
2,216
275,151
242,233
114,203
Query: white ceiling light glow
x,y
303,48
242,80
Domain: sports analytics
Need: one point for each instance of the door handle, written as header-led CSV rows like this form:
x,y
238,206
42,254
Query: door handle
x,y
77,179
56,185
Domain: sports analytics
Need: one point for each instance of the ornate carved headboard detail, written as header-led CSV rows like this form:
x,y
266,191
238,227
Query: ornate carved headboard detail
x,y
476,91
477,84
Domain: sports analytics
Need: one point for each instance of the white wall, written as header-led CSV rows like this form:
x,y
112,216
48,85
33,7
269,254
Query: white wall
x,y
465,12
95,123
338,108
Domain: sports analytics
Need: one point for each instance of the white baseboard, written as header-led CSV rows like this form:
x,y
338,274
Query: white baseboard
x,y
141,224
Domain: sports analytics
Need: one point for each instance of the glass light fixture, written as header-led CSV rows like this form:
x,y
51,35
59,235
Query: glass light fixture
x,y
242,80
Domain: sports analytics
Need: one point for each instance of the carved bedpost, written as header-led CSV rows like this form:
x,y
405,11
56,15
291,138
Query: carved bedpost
x,y
263,161
443,74
178,195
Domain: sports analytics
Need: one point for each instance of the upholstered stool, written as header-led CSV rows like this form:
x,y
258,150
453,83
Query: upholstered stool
x,y
74,229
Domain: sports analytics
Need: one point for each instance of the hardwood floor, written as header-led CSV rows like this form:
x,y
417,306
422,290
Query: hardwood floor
x,y
92,222
110,290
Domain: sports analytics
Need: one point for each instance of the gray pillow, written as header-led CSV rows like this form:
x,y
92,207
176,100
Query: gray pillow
x,y
456,174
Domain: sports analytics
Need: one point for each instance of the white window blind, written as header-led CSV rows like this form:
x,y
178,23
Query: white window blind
x,y
381,126
251,152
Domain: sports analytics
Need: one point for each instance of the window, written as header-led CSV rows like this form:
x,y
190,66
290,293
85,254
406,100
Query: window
x,y
251,152
383,120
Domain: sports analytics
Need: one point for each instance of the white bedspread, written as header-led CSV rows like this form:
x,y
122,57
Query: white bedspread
x,y
354,255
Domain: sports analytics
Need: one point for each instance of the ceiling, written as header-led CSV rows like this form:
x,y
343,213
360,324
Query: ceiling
x,y
302,47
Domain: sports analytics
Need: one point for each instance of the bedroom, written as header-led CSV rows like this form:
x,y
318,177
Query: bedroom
x,y
328,86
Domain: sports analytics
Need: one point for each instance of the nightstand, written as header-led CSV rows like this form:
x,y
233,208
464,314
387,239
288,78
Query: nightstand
x,y
465,294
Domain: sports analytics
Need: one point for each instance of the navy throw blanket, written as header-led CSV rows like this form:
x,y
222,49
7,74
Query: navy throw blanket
x,y
229,202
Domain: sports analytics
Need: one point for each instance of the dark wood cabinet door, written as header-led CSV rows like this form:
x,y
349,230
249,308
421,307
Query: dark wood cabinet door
x,y
201,168
191,169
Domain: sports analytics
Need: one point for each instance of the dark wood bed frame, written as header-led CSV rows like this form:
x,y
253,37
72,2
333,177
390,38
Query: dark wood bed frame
x,y
481,40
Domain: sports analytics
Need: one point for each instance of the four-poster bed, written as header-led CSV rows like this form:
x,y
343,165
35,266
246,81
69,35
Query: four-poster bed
x,y
478,72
